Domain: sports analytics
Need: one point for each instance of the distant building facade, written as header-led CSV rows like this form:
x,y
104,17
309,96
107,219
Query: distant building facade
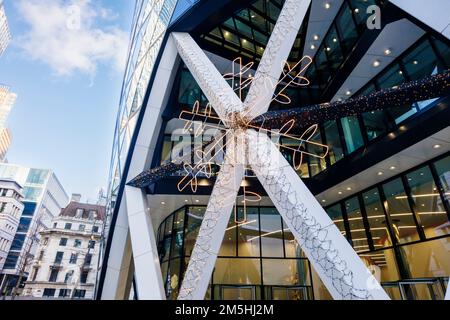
x,y
65,265
5,142
5,35
7,100
11,208
43,199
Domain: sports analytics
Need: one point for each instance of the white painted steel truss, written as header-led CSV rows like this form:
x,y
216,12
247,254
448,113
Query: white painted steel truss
x,y
337,264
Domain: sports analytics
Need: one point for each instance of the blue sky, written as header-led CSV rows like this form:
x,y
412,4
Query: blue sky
x,y
66,63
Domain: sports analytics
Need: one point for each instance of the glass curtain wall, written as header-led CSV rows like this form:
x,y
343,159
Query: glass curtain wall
x,y
400,228
274,264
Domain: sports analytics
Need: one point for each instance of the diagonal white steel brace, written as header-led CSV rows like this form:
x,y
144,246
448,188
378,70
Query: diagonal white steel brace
x,y
275,55
337,264
219,93
212,230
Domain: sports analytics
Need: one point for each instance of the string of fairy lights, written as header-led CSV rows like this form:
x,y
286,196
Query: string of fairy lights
x,y
429,87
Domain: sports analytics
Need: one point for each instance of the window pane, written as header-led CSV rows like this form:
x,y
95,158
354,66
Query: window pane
x,y
444,52
336,152
228,247
391,78
169,225
291,246
195,217
352,133
303,171
248,233
382,264
166,149
18,241
24,224
376,123
360,10
443,170
272,244
37,176
229,271
335,213
356,223
346,27
173,280
398,208
429,206
316,163
377,219
421,62
177,237
333,50
287,272
429,259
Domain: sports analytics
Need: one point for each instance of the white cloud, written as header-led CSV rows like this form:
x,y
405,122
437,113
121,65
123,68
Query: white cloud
x,y
72,36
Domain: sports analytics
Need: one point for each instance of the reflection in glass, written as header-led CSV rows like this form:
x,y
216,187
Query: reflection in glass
x,y
229,271
397,206
357,229
194,218
352,133
335,213
389,79
382,264
173,279
429,206
443,171
347,27
248,233
177,237
376,123
336,152
421,62
287,272
377,219
316,164
272,243
291,246
228,247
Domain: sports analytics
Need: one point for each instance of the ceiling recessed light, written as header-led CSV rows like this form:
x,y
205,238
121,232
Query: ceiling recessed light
x,y
400,72
356,10
226,33
196,200
316,37
340,192
244,41
163,203
186,200
327,5
387,52
334,39
348,92
436,146
349,189
380,173
253,16
328,49
415,62
392,167
313,47
324,200
376,63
